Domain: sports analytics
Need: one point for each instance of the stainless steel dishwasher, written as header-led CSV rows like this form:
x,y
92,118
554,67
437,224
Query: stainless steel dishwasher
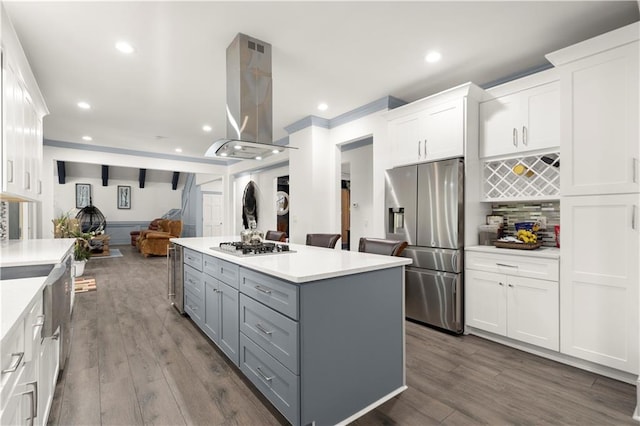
x,y
175,281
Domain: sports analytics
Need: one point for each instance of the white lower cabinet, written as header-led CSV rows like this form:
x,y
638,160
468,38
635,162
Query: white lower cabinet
x,y
600,248
508,302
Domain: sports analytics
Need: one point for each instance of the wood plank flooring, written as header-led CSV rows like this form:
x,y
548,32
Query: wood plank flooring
x,y
135,361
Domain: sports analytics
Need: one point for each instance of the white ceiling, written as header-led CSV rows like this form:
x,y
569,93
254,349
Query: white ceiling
x,y
346,54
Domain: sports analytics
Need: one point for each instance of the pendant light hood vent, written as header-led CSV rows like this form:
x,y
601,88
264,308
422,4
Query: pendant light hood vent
x,y
249,102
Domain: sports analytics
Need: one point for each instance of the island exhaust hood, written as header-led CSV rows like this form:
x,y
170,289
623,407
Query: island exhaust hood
x,y
249,103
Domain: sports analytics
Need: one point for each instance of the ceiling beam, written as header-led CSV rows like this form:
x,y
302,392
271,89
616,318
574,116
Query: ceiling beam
x,y
105,175
142,176
62,173
174,181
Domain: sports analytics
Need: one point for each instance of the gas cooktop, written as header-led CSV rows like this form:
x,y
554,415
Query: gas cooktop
x,y
245,249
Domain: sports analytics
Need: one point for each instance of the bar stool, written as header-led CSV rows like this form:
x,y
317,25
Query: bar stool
x,y
380,246
279,236
322,240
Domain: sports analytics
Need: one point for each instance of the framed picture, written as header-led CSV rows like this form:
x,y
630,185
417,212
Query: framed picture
x,y
124,197
83,195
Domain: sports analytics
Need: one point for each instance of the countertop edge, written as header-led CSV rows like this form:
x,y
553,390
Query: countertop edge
x,y
28,287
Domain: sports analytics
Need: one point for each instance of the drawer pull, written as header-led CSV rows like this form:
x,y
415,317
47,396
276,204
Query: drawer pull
x,y
511,285
264,330
13,367
263,290
264,376
506,265
501,284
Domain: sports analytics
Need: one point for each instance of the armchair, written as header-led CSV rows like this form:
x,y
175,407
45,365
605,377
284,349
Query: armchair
x,y
156,242
153,226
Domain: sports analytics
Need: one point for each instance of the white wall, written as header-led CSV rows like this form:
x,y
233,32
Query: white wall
x,y
267,182
147,203
49,180
360,162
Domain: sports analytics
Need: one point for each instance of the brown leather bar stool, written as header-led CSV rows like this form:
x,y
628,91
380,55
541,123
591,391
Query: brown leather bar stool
x,y
380,246
279,236
323,240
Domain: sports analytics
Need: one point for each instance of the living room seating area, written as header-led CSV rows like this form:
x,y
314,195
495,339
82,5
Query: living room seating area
x,y
156,242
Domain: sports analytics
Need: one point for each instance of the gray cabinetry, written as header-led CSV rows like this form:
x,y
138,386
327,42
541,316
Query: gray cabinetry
x,y
274,293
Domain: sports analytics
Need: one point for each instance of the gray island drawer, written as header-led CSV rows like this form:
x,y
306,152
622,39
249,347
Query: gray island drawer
x,y
193,259
278,384
275,293
193,281
272,331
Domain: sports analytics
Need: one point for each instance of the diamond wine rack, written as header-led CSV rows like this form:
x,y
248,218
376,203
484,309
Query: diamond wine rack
x,y
531,178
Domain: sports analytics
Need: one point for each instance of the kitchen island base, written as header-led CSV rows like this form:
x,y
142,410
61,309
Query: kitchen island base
x,y
322,351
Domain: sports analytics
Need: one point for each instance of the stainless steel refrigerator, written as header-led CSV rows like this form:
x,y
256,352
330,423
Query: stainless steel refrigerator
x,y
424,205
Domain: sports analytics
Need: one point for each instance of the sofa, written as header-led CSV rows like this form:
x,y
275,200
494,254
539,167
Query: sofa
x,y
153,226
156,243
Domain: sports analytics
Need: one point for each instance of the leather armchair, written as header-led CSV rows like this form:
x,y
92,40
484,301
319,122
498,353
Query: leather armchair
x,y
279,236
153,226
323,240
157,242
380,246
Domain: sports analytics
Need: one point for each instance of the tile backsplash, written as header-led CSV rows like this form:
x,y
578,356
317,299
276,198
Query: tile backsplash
x,y
527,211
4,220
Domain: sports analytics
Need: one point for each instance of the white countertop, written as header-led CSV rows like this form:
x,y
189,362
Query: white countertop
x,y
15,298
34,252
545,252
306,264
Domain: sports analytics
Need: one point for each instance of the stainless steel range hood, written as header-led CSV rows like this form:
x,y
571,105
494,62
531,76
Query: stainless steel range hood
x,y
249,102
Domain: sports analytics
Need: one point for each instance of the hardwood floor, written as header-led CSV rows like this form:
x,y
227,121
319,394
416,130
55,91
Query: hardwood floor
x,y
135,361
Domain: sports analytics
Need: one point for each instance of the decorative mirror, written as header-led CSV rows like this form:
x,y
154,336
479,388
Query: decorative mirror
x,y
250,204
282,203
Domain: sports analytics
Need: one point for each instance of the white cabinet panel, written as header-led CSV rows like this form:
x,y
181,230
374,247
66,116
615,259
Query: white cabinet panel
x,y
533,314
600,108
521,122
486,306
600,270
444,131
406,142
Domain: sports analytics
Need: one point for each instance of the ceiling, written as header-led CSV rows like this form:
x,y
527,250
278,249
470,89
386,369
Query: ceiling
x,y
346,54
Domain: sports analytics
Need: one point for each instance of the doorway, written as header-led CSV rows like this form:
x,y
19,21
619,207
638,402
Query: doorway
x,y
282,204
212,214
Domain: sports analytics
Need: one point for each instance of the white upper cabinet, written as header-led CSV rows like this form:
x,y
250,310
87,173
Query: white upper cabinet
x,y
600,147
522,121
432,128
22,110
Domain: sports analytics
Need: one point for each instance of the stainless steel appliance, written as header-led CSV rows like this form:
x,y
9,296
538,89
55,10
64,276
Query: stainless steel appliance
x,y
57,307
424,205
239,248
175,280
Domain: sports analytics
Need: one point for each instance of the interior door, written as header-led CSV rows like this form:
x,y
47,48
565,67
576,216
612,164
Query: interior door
x,y
212,215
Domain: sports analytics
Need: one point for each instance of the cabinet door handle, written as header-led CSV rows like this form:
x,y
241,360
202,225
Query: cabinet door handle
x,y
13,367
27,180
263,290
40,322
171,254
501,284
10,171
506,265
635,170
515,137
264,330
633,216
425,149
419,149
39,187
264,376
511,285
524,135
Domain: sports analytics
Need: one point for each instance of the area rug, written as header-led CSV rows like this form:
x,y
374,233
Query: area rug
x,y
84,284
112,253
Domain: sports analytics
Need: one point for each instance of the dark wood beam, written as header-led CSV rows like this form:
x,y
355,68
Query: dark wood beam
x,y
105,175
62,173
142,176
174,181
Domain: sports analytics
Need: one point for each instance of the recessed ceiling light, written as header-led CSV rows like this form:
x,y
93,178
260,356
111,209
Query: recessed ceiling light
x,y
323,106
224,154
258,158
275,151
206,128
124,47
178,149
433,57
237,147
84,105
87,138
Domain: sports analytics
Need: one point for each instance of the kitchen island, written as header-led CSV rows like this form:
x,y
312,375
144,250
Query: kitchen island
x,y
319,332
